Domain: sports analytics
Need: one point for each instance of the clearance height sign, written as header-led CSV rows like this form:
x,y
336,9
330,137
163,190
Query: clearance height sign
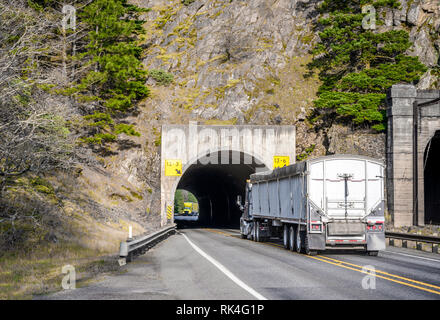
x,y
173,168
280,161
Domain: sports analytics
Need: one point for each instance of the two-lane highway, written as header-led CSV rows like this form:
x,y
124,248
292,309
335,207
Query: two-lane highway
x,y
217,264
276,273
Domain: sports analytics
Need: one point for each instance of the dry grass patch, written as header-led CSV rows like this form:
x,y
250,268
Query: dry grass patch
x,y
38,272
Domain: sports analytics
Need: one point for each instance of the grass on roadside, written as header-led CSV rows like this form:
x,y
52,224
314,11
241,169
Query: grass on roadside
x,y
39,272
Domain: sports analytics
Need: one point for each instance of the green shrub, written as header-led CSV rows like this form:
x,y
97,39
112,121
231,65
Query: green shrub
x,y
161,77
128,129
307,152
100,138
187,2
42,185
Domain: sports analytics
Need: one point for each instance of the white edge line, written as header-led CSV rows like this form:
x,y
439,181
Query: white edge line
x,y
409,255
223,269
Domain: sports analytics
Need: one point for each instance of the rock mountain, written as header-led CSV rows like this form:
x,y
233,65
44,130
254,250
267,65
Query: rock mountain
x,y
243,62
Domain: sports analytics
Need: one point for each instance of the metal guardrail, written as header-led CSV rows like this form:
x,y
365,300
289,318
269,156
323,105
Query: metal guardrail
x,y
417,238
128,249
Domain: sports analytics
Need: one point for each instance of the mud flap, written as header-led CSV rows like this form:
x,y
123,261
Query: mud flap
x,y
375,241
316,241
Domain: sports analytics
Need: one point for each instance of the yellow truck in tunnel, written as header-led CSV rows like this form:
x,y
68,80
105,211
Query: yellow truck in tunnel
x,y
190,208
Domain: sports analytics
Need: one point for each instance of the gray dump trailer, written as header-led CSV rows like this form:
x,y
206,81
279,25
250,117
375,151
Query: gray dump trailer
x,y
313,205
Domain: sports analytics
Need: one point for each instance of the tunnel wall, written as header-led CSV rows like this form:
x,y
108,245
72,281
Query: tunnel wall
x,y
400,178
188,144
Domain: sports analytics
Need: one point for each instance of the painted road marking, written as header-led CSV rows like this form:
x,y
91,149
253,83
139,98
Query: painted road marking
x,y
339,264
347,265
219,232
223,269
383,272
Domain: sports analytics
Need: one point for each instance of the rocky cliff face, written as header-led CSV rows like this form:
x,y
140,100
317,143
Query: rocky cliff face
x,y
243,62
421,18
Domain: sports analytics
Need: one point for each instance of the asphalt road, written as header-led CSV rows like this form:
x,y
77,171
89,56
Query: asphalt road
x,y
217,264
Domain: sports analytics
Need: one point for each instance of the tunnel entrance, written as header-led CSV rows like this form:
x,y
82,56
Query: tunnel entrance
x,y
217,185
186,208
432,180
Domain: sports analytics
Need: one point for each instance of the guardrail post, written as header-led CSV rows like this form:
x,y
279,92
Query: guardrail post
x,y
391,242
434,248
419,246
129,257
123,249
404,244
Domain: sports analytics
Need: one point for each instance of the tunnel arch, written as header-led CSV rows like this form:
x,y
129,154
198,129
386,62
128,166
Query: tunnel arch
x,y
216,185
431,161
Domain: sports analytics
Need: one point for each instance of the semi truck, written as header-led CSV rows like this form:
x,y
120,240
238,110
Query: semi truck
x,y
190,213
190,208
327,202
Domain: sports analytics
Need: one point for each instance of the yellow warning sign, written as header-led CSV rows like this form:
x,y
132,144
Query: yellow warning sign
x,y
173,168
169,212
280,161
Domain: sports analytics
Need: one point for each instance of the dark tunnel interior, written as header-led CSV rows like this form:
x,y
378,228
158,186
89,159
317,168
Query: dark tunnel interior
x,y
216,187
432,180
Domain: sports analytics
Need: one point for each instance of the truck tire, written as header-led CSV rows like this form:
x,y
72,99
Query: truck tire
x,y
299,240
292,238
307,248
286,236
257,232
373,253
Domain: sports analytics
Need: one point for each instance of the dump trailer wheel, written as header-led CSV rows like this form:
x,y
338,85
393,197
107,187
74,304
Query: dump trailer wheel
x,y
373,253
286,236
292,238
307,248
299,240
257,232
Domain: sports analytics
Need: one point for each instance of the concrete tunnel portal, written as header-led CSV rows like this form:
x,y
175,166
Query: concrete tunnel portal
x,y
213,162
216,187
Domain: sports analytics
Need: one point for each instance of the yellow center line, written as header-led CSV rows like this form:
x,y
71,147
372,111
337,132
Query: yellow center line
x,y
346,265
219,232
379,276
383,272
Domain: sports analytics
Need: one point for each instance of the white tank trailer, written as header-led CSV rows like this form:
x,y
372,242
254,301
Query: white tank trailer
x,y
328,202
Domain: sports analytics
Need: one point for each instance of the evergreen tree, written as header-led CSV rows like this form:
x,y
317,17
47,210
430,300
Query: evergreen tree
x,y
116,78
357,65
178,201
